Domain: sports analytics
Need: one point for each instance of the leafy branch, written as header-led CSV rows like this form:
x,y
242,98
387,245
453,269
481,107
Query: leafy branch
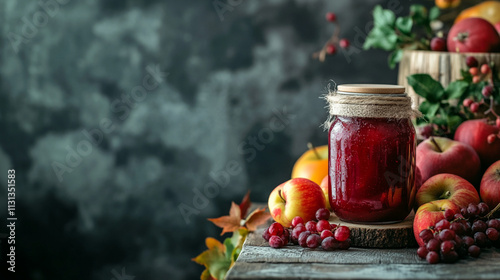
x,y
220,257
393,34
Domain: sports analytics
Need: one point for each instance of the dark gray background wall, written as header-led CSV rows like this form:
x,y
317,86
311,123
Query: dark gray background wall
x,y
115,114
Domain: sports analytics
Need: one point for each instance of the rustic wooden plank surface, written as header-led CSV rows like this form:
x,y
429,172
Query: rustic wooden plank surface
x,y
466,270
259,261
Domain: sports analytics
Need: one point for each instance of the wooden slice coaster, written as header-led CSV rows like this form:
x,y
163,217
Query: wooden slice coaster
x,y
399,235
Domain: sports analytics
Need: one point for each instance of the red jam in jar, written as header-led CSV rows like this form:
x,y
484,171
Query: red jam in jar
x,y
372,162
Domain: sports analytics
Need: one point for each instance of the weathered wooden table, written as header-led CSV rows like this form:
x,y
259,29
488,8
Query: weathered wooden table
x,y
259,261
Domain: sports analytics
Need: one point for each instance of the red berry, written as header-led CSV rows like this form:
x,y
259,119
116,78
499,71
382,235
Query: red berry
x,y
485,69
483,208
331,17
276,229
297,220
492,234
311,226
266,235
331,49
322,225
313,241
333,226
476,79
438,44
303,238
422,252
481,239
276,242
426,235
296,232
494,223
467,102
322,214
487,91
468,241
474,107
491,138
285,236
474,251
449,214
432,257
326,233
443,224
344,245
498,122
447,247
471,61
433,245
474,71
447,234
342,233
344,43
329,244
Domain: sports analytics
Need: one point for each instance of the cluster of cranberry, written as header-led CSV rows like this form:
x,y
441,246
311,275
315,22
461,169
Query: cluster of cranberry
x,y
311,234
459,235
480,73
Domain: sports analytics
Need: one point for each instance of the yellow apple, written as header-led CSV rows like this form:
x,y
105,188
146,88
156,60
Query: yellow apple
x,y
312,165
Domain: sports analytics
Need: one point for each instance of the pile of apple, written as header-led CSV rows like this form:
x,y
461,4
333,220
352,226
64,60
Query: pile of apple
x,y
454,184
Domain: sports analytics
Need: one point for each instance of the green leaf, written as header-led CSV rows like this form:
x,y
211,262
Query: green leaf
x,y
228,243
425,86
419,14
381,37
404,24
456,89
429,109
383,18
454,122
395,57
434,13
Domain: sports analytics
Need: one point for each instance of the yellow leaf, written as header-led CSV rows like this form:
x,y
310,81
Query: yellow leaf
x,y
257,218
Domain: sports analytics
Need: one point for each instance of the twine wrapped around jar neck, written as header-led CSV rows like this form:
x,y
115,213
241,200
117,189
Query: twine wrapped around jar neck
x,y
391,106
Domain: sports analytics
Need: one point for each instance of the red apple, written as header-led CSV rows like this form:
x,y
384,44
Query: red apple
x,y
438,155
429,214
490,185
473,35
475,133
324,187
447,186
312,165
296,197
497,26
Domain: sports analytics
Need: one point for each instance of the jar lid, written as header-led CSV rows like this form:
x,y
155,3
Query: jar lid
x,y
371,88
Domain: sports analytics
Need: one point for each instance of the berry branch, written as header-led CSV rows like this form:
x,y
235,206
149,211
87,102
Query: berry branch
x,y
330,46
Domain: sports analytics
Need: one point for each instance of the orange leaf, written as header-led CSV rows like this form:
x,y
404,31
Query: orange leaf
x,y
257,218
245,203
229,223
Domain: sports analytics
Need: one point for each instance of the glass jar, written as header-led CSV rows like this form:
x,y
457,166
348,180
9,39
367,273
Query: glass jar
x,y
372,163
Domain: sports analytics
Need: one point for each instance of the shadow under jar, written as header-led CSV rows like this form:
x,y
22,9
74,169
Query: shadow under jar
x,y
371,154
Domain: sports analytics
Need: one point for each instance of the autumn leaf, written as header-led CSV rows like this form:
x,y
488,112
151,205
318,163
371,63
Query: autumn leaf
x,y
257,218
214,259
229,223
245,204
